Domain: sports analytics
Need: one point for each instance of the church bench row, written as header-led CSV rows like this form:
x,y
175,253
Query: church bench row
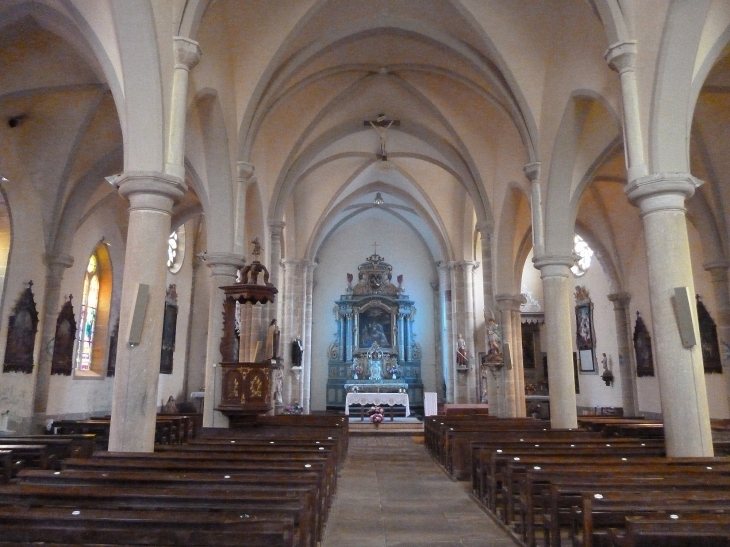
x,y
696,530
28,455
601,510
63,526
257,503
552,510
168,429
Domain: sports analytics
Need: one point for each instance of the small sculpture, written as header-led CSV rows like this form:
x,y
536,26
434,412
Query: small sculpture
x,y
461,354
272,340
296,352
278,385
170,406
606,375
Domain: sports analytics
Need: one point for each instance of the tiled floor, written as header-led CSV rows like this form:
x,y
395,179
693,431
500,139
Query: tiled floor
x,y
391,493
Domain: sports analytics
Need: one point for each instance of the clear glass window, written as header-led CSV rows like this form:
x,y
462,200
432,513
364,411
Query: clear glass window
x,y
583,254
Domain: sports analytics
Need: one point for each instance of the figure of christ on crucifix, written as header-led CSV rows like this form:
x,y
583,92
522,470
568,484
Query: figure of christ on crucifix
x,y
381,125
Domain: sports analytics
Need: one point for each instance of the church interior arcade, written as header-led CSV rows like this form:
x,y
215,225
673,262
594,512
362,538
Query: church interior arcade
x,y
516,201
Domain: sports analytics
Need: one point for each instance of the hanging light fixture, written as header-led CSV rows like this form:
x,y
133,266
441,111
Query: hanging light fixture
x,y
378,199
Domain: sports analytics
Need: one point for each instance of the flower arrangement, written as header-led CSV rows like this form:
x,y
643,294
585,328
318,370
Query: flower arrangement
x,y
357,370
294,408
376,414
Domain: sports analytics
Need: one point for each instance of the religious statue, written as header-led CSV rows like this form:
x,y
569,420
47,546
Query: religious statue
x,y
296,352
381,128
494,337
256,247
170,406
461,354
272,340
606,375
376,372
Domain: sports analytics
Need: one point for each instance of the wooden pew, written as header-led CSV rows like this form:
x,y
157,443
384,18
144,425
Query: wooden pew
x,y
6,466
606,509
695,530
21,526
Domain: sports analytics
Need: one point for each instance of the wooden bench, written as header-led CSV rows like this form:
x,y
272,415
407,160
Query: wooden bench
x,y
675,530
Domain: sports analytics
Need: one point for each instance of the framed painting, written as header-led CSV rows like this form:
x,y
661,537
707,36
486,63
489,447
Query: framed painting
x,y
375,325
585,337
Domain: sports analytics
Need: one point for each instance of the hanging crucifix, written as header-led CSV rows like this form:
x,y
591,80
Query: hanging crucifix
x,y
381,125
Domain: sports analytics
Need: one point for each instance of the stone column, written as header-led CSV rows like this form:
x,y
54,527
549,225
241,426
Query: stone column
x,y
245,179
486,230
556,276
134,405
223,271
292,298
463,306
447,335
626,357
276,230
468,268
660,198
718,271
532,172
307,358
621,57
55,266
187,55
514,391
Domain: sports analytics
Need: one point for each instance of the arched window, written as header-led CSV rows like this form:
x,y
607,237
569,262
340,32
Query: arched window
x,y
91,336
583,254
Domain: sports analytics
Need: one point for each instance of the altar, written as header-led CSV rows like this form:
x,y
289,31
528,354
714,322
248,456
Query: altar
x,y
377,399
374,351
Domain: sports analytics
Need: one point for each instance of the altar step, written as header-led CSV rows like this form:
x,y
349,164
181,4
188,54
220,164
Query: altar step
x,y
399,426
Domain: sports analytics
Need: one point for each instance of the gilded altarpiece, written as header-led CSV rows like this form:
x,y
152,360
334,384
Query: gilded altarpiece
x,y
375,313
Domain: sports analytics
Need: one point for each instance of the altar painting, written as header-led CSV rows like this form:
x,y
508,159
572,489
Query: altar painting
x,y
375,326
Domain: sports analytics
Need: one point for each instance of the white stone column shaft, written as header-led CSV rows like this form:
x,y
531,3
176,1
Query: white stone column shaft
x,y
490,306
56,264
719,273
514,391
532,172
134,404
187,55
517,359
621,57
660,198
307,367
293,323
446,334
626,357
245,179
468,268
223,271
555,273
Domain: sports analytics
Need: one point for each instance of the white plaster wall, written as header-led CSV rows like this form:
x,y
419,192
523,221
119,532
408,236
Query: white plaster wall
x,y
343,252
75,396
593,391
532,282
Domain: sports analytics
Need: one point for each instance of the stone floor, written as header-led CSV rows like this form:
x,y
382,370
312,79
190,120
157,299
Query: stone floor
x,y
391,493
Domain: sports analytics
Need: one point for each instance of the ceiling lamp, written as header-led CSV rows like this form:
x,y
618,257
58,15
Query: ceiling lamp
x,y
378,199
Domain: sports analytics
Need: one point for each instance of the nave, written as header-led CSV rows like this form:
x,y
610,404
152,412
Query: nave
x,y
391,493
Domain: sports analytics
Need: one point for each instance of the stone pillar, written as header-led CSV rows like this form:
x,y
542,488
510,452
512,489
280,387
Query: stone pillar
x,y
447,334
55,266
292,298
134,405
513,377
187,55
401,338
626,357
556,277
532,172
245,178
307,358
718,271
621,57
468,314
223,271
463,306
274,311
490,306
660,198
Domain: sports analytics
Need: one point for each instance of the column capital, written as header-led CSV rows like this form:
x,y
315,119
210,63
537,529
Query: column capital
x,y
532,171
718,270
151,189
485,228
621,56
245,171
510,302
620,300
58,259
445,266
187,52
467,263
661,191
554,265
224,263
277,227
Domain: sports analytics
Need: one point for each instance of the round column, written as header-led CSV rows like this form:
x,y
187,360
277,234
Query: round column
x,y
626,358
134,404
187,55
56,264
514,393
223,271
490,305
660,198
307,358
245,179
556,277
532,172
444,306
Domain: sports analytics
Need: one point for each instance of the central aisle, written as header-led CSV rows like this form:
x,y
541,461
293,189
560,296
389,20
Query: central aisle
x,y
391,493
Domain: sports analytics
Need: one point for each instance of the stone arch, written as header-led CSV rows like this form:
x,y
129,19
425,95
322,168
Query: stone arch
x,y
508,270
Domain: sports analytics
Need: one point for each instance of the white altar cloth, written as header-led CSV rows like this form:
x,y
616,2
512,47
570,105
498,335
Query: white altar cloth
x,y
379,399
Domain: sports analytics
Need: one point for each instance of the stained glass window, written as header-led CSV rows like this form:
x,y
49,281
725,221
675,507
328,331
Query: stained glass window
x,y
583,254
176,249
89,306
